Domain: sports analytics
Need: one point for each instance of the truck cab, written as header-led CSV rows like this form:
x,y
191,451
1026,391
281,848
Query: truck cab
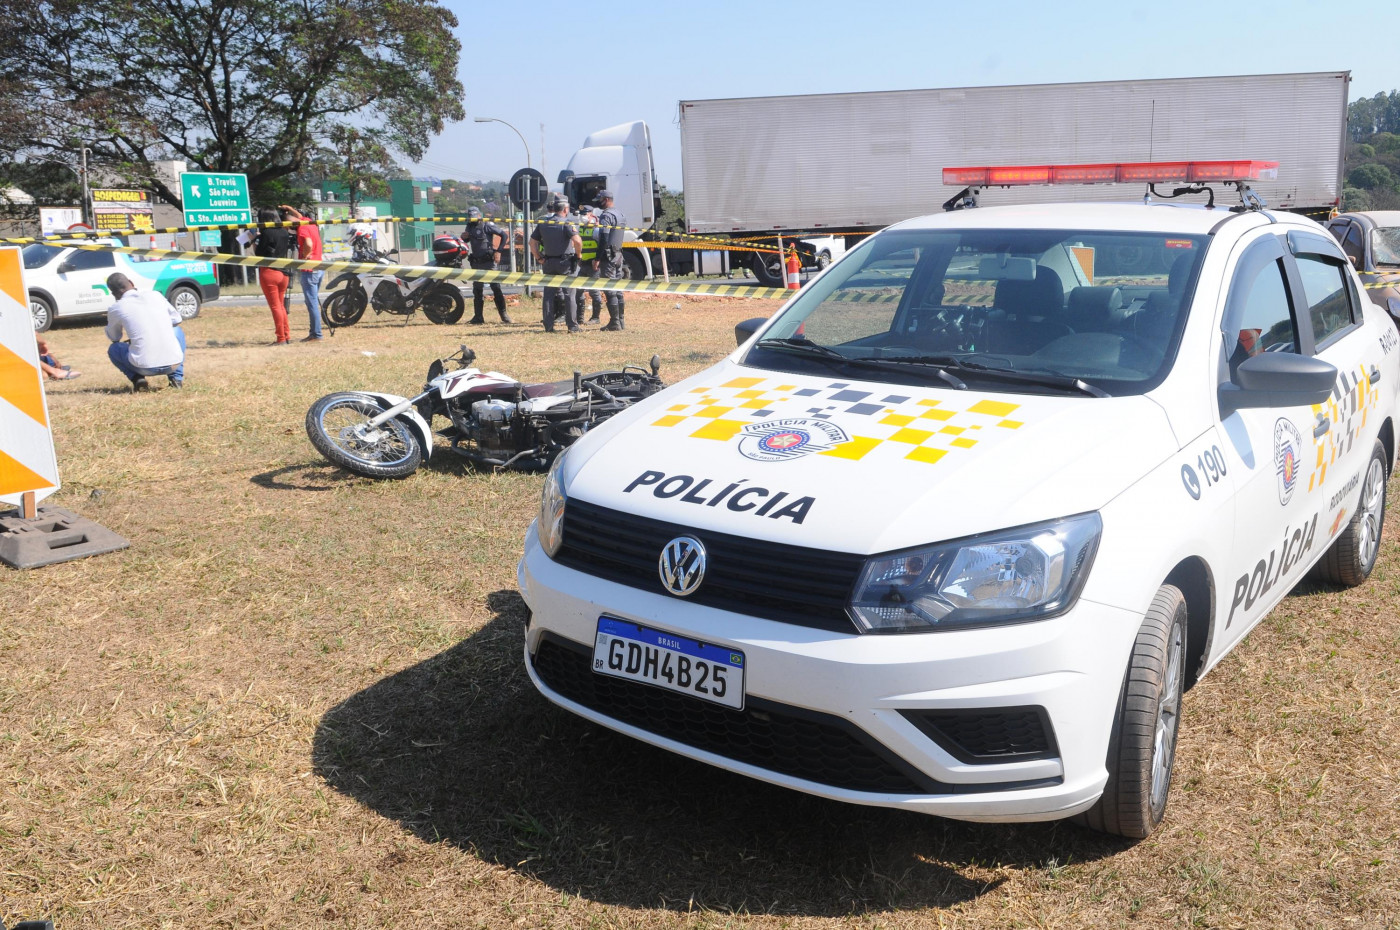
x,y
617,159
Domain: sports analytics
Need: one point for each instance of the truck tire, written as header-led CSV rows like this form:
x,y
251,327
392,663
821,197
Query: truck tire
x,y
41,308
768,268
636,268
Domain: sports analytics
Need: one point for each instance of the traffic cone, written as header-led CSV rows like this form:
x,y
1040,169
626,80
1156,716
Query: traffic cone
x,y
794,269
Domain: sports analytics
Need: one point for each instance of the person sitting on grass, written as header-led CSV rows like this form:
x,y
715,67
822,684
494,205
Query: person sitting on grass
x,y
157,343
50,365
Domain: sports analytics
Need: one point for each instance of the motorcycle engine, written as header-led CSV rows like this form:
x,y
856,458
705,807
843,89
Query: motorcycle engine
x,y
494,420
385,296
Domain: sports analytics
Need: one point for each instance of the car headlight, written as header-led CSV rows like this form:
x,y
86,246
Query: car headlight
x,y
1028,573
550,526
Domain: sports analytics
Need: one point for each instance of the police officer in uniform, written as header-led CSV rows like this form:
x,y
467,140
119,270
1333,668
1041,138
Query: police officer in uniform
x,y
610,263
555,243
484,243
588,265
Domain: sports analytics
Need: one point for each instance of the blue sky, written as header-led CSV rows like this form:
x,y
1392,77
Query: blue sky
x,y
648,56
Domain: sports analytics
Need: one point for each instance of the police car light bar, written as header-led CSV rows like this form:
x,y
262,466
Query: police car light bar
x,y
1151,172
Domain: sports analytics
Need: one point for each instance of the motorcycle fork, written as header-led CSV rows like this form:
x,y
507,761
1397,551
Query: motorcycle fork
x,y
387,415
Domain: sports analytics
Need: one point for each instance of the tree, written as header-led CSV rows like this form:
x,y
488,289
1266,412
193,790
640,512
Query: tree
x,y
1355,200
226,85
363,162
672,218
1371,177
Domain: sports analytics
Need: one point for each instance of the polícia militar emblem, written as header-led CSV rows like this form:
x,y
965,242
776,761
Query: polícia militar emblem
x,y
1288,457
791,438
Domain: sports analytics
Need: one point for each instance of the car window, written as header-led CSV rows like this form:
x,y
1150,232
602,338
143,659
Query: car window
x,y
84,260
1259,318
1353,245
1100,306
1385,245
37,254
1328,297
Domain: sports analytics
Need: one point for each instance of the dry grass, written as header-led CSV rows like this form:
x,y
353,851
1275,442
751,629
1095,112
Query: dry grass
x,y
298,700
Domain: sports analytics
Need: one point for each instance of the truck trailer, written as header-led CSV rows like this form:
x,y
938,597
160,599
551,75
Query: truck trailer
x,y
845,165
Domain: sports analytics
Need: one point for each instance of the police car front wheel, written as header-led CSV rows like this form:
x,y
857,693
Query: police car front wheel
x,y
1142,746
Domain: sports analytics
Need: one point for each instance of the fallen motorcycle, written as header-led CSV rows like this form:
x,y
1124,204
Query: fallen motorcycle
x,y
496,422
440,301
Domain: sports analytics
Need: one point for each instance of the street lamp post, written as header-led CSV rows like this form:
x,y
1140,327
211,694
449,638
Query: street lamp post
x,y
492,119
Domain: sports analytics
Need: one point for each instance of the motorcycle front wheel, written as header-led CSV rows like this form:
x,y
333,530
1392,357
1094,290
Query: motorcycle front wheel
x,y
344,308
338,426
444,304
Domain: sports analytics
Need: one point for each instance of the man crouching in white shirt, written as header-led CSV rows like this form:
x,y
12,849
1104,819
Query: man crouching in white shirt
x,y
157,343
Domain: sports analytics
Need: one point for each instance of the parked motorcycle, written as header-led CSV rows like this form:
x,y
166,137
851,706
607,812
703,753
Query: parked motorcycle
x,y
496,422
440,301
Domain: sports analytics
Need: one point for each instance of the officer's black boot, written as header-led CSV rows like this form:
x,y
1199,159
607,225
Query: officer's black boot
x,y
478,304
501,305
614,313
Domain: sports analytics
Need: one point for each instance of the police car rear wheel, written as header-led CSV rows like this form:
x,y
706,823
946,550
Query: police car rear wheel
x,y
1142,745
42,311
1349,560
186,301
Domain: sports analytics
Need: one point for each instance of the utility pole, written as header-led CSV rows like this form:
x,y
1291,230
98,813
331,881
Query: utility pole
x,y
84,152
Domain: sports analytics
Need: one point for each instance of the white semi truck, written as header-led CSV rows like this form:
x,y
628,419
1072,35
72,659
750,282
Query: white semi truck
x,y
848,164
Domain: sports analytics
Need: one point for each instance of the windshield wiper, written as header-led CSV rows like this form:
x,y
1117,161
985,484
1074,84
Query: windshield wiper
x,y
801,346
809,349
1049,379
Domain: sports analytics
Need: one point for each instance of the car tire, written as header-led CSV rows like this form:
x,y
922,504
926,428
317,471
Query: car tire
x,y
1352,555
1142,744
823,259
186,300
42,309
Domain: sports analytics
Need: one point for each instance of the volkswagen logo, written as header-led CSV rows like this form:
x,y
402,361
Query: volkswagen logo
x,y
682,565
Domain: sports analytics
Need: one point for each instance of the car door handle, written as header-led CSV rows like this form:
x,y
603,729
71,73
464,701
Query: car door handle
x,y
1323,425
1375,374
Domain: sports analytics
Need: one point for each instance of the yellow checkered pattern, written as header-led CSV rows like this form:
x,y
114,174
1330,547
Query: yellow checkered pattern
x,y
1347,423
918,429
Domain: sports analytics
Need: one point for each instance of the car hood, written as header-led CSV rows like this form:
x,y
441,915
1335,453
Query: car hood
x,y
859,466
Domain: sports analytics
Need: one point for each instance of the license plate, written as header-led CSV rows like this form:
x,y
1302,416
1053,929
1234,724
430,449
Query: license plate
x,y
711,673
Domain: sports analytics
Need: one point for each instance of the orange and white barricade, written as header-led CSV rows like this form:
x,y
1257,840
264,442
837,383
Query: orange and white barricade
x,y
28,467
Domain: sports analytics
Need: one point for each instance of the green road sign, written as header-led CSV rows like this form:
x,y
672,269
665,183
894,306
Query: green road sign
x,y
215,199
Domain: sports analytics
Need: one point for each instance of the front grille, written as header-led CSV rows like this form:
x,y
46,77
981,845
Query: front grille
x,y
789,740
794,584
986,735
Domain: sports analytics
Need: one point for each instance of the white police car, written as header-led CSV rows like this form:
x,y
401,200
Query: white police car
x,y
68,282
957,528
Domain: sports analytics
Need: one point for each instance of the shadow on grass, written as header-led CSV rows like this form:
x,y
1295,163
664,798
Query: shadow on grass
x,y
460,749
318,476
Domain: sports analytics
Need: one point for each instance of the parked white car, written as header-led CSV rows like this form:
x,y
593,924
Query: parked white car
x,y
956,528
70,282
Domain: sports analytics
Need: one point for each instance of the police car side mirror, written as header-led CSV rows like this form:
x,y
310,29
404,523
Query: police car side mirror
x,y
744,331
1278,379
66,266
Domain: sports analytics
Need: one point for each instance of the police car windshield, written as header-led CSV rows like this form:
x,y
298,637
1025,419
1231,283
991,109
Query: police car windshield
x,y
37,255
1102,308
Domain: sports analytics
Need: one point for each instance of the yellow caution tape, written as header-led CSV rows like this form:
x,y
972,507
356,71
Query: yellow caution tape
x,y
1380,285
344,221
456,274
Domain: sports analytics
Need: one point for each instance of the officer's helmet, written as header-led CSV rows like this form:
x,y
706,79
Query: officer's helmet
x,y
473,214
